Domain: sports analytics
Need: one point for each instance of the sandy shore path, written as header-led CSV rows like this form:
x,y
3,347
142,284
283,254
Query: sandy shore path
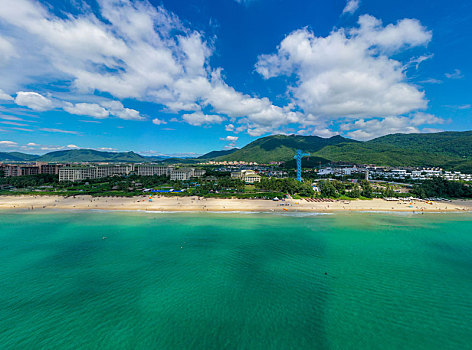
x,y
212,204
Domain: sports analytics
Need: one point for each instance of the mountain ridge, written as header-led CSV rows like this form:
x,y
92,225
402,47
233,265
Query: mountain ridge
x,y
450,150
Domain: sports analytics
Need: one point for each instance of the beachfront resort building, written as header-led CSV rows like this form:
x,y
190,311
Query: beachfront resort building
x,y
248,176
30,169
78,173
85,172
153,169
182,174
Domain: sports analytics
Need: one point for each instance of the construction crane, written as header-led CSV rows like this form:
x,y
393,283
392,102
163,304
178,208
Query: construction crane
x,y
298,156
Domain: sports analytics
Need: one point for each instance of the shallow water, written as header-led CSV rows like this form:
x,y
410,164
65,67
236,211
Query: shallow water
x,y
235,281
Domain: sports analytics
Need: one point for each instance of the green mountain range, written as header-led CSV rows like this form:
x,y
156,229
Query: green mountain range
x,y
90,155
215,154
77,155
450,150
17,157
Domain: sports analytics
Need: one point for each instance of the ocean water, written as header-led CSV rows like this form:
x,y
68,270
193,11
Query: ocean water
x,y
235,281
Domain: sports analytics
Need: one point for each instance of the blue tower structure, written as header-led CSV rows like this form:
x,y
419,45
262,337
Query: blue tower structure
x,y
298,156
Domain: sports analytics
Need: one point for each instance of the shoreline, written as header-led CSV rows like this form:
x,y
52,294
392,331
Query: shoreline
x,y
196,204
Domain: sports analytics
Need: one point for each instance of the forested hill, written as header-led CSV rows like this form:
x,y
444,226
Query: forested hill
x,y
447,143
17,157
451,150
90,155
215,154
282,147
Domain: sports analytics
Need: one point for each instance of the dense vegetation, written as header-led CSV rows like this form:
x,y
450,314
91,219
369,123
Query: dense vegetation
x,y
90,155
214,154
288,185
439,187
450,150
30,180
17,157
282,148
336,189
456,144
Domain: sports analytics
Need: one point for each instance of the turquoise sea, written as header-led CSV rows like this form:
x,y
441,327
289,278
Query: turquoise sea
x,y
235,281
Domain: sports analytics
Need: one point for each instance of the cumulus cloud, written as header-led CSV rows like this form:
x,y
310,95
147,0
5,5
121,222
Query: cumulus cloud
x,y
349,73
33,100
199,118
318,131
351,6
229,138
134,50
158,121
231,141
368,129
89,109
116,108
5,97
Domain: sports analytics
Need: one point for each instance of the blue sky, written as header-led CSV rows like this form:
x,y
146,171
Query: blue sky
x,y
191,76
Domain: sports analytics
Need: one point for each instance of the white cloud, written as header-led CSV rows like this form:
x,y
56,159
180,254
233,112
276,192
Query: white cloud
x,y
431,81
229,127
10,117
199,118
457,74
59,131
8,143
229,138
33,100
349,74
116,108
321,132
416,61
12,123
368,129
88,109
7,51
421,118
138,51
32,144
461,107
72,146
5,97
158,121
133,50
351,6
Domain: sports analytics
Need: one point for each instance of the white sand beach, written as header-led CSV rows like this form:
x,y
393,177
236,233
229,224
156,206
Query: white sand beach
x,y
160,203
